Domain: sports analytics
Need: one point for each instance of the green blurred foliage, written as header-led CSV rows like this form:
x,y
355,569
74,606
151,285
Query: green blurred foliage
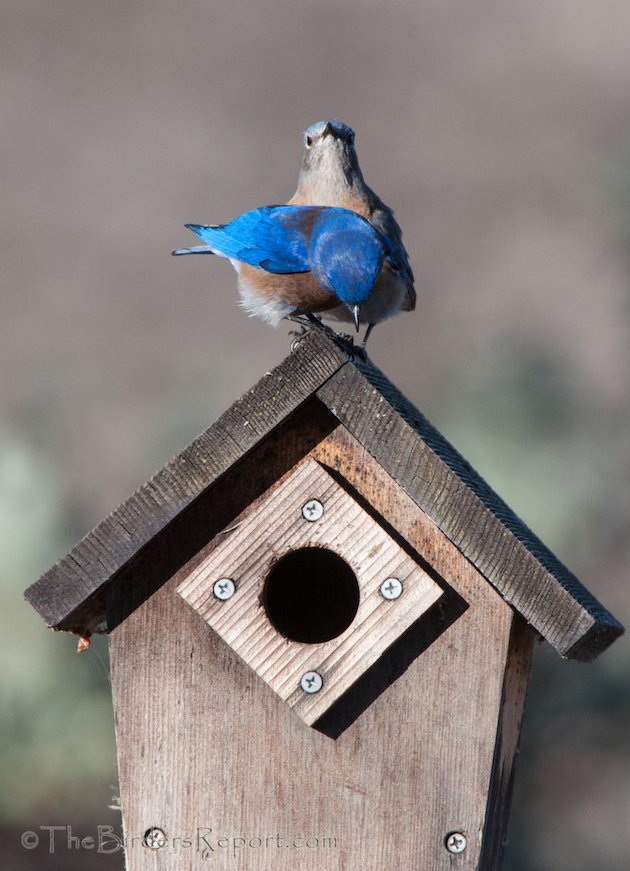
x,y
549,447
539,439
557,453
56,723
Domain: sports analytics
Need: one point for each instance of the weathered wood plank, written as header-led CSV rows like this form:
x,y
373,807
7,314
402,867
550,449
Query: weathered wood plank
x,y
105,550
240,487
70,595
205,745
515,682
474,518
275,528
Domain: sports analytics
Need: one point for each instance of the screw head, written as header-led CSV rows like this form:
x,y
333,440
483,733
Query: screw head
x,y
391,588
312,510
456,842
312,682
154,838
224,589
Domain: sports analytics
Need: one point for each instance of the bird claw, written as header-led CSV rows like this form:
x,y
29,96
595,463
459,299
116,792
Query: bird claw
x,y
311,322
353,350
296,336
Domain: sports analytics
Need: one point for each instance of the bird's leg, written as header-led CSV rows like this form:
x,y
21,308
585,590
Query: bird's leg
x,y
316,321
302,320
311,320
367,334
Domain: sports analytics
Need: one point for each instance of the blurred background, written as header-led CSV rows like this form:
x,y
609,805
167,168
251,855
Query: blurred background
x,y
500,133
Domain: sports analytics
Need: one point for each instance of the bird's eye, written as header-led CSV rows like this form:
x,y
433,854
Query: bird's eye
x,y
351,139
308,141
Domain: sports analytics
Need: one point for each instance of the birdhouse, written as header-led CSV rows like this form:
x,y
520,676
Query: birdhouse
x,y
320,622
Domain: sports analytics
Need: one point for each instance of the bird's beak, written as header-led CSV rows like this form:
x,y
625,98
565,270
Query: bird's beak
x,y
327,130
356,311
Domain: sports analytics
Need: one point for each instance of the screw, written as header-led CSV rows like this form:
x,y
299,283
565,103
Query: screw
x,y
224,589
154,838
312,510
391,588
312,682
456,842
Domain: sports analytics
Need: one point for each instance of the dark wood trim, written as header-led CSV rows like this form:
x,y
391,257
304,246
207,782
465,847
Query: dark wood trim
x,y
109,547
524,571
526,574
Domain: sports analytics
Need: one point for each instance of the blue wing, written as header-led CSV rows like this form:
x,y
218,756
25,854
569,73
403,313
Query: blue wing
x,y
271,238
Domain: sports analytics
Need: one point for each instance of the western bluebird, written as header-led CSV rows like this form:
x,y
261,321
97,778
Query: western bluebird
x,y
335,248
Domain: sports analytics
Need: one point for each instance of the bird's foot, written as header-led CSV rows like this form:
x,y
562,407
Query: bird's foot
x,y
297,336
346,340
355,351
370,327
309,322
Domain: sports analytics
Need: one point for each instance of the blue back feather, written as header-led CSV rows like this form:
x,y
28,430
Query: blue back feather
x,y
347,254
343,250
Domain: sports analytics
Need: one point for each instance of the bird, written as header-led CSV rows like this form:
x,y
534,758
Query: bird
x,y
333,256
334,249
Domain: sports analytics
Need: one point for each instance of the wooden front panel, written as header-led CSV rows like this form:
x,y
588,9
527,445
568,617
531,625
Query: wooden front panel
x,y
213,757
275,529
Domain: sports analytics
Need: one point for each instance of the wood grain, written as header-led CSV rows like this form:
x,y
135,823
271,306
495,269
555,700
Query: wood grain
x,y
205,744
107,549
475,519
515,682
247,553
71,595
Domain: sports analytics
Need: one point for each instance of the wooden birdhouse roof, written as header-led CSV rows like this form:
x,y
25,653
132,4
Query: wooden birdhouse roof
x,y
71,594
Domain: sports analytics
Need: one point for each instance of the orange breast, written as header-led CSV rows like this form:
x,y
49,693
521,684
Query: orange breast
x,y
301,290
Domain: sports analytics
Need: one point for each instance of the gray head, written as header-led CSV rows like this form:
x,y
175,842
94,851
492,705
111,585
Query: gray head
x,y
329,163
335,129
